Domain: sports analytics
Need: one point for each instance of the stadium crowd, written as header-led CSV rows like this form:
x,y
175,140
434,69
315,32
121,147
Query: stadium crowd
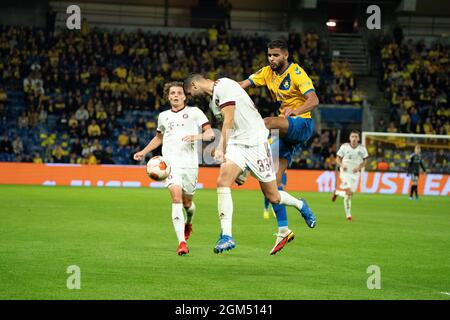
x,y
416,78
94,96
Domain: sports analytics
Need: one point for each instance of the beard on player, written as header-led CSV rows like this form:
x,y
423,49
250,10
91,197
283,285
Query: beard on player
x,y
277,66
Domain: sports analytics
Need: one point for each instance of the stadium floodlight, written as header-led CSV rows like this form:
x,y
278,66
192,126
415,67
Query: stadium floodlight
x,y
396,148
331,23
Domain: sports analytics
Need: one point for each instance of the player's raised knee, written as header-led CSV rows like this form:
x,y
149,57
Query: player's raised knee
x,y
274,198
187,203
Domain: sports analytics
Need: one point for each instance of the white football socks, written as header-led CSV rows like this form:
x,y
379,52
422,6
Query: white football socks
x,y
225,207
190,213
348,205
178,221
288,200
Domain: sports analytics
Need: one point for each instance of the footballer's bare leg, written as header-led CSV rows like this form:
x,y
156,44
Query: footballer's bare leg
x,y
348,204
189,208
229,171
178,217
277,123
282,167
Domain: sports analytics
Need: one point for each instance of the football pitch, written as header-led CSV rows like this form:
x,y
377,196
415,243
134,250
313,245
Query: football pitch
x,y
123,242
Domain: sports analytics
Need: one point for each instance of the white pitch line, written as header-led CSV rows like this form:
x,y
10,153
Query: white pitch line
x,y
447,293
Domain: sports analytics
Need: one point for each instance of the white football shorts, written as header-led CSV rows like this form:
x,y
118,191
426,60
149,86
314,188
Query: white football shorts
x,y
186,178
257,159
349,180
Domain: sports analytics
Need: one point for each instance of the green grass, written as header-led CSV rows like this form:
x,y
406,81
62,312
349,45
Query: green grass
x,y
124,243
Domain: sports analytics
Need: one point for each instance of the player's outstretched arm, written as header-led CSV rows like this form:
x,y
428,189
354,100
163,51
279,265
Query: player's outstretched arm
x,y
228,124
339,163
245,84
362,165
206,135
152,145
312,102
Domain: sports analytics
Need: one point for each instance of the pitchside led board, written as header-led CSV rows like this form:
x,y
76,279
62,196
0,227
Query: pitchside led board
x,y
136,176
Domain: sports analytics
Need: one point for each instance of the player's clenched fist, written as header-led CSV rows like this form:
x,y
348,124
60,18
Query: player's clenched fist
x,y
138,156
218,156
191,138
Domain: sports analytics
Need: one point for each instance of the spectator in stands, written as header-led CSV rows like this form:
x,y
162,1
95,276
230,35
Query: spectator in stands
x,y
2,113
391,128
90,159
123,139
17,146
330,162
5,145
107,156
3,95
59,155
415,78
96,149
76,147
82,114
42,115
86,148
382,165
37,159
213,34
23,121
381,127
73,126
120,72
94,129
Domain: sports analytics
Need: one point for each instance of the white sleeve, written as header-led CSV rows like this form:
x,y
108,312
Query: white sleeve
x,y
226,93
365,153
161,128
341,151
200,118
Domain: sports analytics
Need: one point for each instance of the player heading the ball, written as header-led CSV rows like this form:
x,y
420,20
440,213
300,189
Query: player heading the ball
x,y
243,146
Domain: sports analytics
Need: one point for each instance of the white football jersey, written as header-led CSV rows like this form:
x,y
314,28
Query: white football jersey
x,y
175,126
249,128
352,157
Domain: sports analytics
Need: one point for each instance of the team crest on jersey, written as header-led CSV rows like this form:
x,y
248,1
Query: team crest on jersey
x,y
285,83
185,116
297,71
216,102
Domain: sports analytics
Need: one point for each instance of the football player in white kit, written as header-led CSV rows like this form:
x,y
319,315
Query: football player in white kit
x,y
178,131
243,145
351,158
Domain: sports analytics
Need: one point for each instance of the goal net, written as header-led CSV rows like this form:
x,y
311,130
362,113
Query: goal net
x,y
391,151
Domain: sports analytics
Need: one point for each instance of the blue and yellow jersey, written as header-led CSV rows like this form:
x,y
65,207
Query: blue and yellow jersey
x,y
288,89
